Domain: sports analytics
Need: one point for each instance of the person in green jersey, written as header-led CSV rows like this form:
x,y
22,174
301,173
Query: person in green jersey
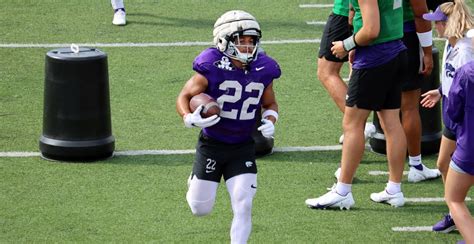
x,y
378,60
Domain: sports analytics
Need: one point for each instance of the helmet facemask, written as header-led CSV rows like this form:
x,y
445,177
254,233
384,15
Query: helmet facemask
x,y
244,53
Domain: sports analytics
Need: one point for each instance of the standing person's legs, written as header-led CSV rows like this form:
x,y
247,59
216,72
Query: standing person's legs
x,y
396,142
353,147
446,150
456,188
411,120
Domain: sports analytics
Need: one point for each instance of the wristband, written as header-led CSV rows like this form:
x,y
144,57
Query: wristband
x,y
269,112
349,43
425,38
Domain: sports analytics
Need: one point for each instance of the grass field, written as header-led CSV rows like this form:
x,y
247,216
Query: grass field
x,y
142,198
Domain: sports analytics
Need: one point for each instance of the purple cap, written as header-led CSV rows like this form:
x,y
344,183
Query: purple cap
x,y
437,15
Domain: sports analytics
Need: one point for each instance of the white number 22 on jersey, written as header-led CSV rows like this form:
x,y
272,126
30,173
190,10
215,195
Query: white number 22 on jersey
x,y
244,113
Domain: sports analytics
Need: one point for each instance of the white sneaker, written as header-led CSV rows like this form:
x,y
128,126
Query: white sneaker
x,y
331,200
416,175
369,132
119,18
337,174
396,200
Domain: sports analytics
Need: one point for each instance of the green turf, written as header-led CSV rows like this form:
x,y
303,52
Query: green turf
x,y
141,198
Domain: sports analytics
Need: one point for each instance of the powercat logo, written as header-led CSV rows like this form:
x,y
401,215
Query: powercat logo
x,y
224,64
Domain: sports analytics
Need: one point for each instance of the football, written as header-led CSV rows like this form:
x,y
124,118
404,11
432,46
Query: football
x,y
211,107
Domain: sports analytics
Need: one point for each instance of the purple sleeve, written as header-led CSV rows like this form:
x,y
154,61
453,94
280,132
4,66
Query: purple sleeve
x,y
456,101
201,67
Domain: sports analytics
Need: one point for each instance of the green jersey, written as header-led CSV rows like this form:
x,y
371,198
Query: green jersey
x,y
341,7
391,20
408,14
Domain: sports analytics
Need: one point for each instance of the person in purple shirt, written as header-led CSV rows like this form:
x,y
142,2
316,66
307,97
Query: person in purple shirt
x,y
452,20
239,76
460,110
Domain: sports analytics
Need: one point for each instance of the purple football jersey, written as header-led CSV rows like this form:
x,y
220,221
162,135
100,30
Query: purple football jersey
x,y
238,92
460,109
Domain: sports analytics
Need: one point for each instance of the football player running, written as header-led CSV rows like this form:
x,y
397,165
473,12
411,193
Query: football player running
x,y
375,84
239,76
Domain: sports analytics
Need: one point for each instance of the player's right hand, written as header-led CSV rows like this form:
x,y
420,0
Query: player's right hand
x,y
196,120
430,98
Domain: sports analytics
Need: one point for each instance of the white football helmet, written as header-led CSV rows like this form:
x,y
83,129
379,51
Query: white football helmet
x,y
227,30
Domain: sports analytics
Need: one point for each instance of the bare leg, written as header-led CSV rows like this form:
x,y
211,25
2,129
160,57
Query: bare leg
x,y
456,188
446,149
411,121
396,142
353,124
328,74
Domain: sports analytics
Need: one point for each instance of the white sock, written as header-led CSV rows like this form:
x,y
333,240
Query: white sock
x,y
393,188
414,161
116,4
343,189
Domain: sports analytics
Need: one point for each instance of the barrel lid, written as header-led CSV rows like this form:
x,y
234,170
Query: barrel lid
x,y
75,53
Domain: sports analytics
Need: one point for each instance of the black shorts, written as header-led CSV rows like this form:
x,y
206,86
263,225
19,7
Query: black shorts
x,y
449,134
337,29
378,87
215,159
413,79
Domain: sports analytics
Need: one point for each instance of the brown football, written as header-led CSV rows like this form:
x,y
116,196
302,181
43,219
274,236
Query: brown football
x,y
211,107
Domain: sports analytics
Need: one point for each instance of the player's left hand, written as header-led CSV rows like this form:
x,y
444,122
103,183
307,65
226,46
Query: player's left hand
x,y
338,50
267,128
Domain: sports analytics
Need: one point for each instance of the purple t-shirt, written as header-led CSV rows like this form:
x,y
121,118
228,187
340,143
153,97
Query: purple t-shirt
x,y
378,54
238,92
460,109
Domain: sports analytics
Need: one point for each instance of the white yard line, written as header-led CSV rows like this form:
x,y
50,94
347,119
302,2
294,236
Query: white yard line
x,y
377,172
429,199
144,44
413,228
313,22
151,44
316,5
178,152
